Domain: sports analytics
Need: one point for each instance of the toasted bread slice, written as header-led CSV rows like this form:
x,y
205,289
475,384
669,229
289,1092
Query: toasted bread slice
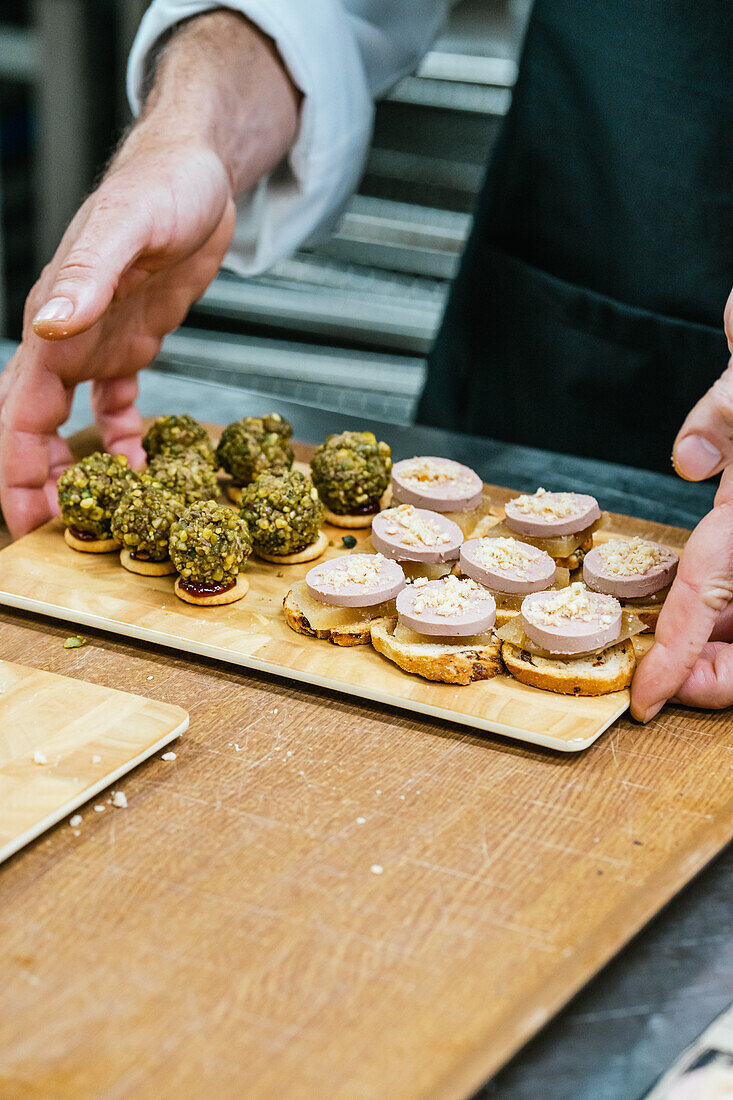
x,y
451,664
348,634
599,674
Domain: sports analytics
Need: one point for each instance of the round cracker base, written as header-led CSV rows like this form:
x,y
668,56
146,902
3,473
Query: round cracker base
x,y
234,492
90,546
354,523
146,568
315,550
240,590
357,523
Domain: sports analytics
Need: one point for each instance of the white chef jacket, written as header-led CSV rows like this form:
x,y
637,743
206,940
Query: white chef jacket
x,y
342,54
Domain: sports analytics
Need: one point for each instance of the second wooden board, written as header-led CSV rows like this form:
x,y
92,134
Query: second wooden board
x,y
40,573
62,741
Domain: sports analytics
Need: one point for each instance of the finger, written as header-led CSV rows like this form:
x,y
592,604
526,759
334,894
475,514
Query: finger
x,y
710,684
723,629
113,404
728,320
36,403
701,590
113,236
704,444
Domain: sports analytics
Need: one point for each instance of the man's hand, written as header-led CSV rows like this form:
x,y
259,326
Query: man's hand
x,y
691,660
140,251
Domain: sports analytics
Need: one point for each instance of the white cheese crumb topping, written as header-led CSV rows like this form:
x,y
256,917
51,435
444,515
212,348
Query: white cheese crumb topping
x,y
75,821
546,505
408,527
119,799
452,596
575,603
361,569
505,555
40,757
622,558
433,471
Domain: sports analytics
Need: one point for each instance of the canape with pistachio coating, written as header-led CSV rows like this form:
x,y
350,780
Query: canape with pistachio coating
x,y
351,472
250,446
174,434
142,524
185,474
89,491
209,546
284,515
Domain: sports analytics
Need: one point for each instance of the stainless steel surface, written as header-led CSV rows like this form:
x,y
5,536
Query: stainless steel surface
x,y
452,96
354,306
340,380
394,236
18,54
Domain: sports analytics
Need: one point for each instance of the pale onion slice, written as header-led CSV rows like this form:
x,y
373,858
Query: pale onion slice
x,y
411,637
322,616
513,631
561,546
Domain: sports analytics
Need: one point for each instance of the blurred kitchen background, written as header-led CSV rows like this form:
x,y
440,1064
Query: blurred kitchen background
x,y
345,326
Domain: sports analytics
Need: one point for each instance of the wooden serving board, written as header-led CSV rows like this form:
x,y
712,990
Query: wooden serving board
x,y
40,573
89,735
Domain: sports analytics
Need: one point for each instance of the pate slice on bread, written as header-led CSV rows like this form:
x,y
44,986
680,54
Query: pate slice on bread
x,y
598,674
561,524
339,598
343,626
443,631
459,662
572,641
637,571
511,570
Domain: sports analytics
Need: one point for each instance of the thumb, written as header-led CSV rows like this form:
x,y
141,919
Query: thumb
x,y
704,444
111,239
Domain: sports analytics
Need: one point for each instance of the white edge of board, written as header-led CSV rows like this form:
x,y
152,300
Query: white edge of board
x,y
216,653
88,793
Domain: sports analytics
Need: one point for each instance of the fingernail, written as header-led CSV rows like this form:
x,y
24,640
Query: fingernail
x,y
695,458
57,309
651,712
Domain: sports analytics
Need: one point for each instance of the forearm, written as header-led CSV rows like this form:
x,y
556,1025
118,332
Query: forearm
x,y
219,84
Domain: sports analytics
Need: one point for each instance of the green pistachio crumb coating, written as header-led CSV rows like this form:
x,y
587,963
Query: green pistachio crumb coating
x,y
174,434
250,446
186,475
90,490
283,512
209,543
351,471
143,518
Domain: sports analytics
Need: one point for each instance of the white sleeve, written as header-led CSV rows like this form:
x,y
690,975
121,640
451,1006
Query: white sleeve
x,y
341,54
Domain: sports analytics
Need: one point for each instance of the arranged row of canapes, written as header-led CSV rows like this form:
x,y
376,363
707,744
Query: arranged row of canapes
x,y
456,610
168,519
446,591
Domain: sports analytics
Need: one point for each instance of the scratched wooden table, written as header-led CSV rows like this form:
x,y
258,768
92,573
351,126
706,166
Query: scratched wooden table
x,y
229,933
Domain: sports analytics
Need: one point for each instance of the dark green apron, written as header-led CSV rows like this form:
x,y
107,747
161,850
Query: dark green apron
x,y
587,313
